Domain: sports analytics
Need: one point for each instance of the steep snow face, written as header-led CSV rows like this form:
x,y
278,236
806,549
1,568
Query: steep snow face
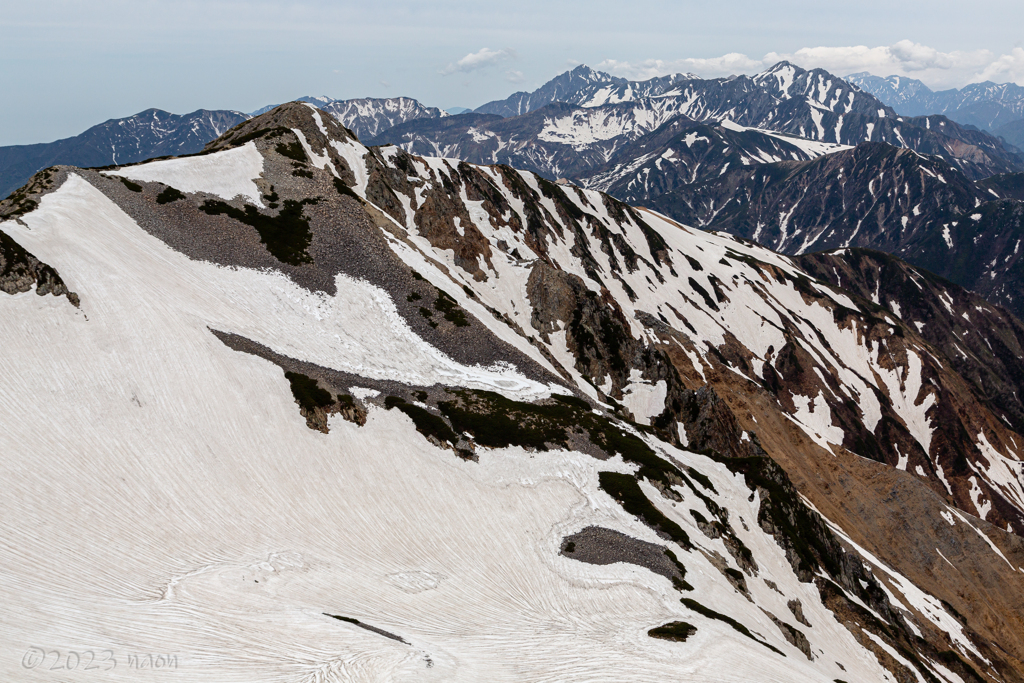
x,y
357,330
227,174
164,497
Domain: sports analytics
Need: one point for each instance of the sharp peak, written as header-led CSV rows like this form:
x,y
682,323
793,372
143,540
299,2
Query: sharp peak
x,y
783,65
797,69
584,70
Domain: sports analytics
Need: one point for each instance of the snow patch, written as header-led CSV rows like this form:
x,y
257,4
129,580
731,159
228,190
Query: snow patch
x,y
227,174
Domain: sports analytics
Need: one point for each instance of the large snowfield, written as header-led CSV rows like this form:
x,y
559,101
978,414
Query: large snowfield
x,y
163,497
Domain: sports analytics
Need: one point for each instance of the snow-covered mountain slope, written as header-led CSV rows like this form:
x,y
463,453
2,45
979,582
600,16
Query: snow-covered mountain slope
x,y
511,401
369,116
985,105
148,134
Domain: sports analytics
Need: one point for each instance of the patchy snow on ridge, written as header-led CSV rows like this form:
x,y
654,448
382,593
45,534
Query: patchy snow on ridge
x,y
813,148
644,399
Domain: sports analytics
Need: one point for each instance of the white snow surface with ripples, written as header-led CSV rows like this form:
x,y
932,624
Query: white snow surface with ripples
x,y
162,494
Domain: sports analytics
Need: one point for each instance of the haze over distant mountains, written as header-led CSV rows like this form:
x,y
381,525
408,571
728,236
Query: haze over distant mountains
x,y
989,106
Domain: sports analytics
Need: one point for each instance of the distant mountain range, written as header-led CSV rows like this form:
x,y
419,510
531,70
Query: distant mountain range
x,y
599,116
148,134
989,106
595,115
155,133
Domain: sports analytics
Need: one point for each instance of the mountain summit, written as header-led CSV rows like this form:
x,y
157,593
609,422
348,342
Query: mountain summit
x,y
302,409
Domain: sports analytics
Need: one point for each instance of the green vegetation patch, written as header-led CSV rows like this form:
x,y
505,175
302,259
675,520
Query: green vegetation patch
x,y
626,490
169,195
498,422
286,235
292,150
11,254
450,309
676,631
712,614
344,189
426,422
812,542
680,584
134,187
702,479
307,392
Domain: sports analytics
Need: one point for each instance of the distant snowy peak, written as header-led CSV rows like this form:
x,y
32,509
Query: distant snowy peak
x,y
896,91
585,87
820,89
369,116
985,105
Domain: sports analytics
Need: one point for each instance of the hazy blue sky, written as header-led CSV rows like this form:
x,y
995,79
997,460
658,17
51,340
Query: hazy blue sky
x,y
69,64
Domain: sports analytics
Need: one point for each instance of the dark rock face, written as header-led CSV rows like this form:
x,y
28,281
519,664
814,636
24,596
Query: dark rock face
x,y
858,197
873,196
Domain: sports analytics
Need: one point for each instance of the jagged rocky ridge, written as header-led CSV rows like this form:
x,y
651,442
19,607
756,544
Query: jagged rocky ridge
x,y
407,286
579,120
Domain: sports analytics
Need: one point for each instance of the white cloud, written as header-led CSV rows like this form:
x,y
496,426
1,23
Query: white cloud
x,y
478,60
514,76
937,69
